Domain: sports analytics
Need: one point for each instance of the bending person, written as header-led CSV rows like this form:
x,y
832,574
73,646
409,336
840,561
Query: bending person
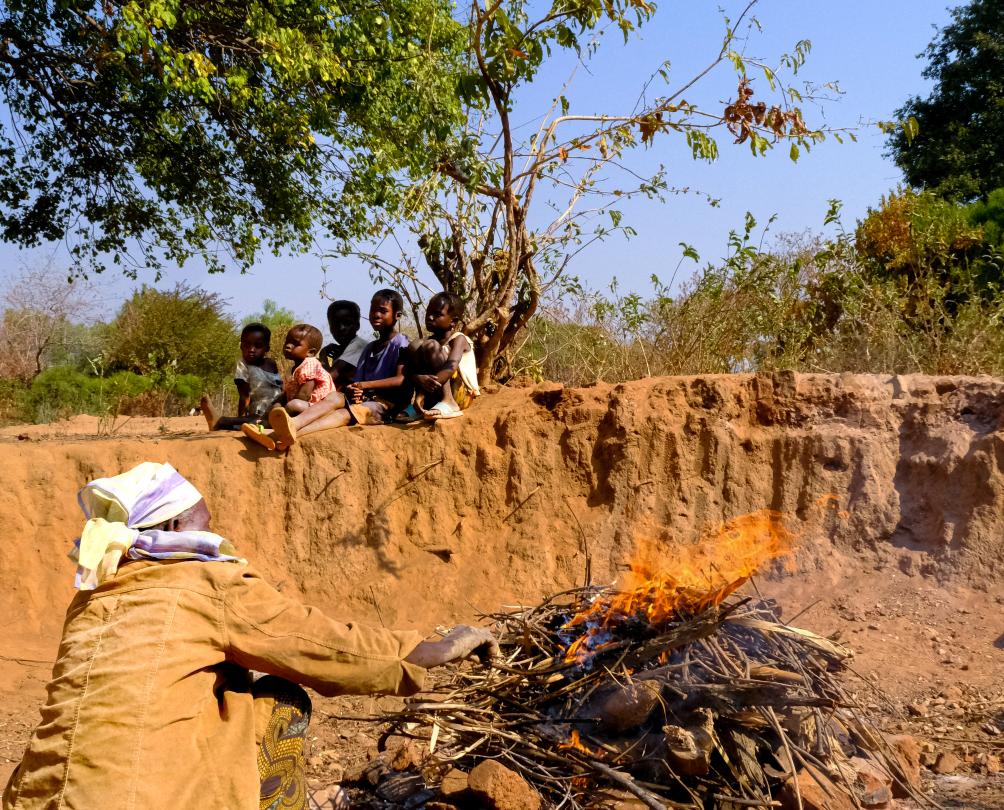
x,y
152,702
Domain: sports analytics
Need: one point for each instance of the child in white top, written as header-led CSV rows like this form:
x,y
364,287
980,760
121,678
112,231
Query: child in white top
x,y
442,367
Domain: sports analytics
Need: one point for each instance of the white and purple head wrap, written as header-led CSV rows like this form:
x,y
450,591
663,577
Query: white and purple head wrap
x,y
120,511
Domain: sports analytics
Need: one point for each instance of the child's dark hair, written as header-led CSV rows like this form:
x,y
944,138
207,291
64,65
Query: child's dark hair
x,y
257,329
392,297
347,306
311,333
453,303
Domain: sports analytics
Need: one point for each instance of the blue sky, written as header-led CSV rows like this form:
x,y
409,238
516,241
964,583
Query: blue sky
x,y
869,46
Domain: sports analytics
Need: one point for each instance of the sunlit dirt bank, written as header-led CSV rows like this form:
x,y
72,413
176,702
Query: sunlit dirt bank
x,y
892,489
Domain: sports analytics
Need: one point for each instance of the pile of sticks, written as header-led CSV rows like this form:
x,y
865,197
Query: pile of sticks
x,y
720,707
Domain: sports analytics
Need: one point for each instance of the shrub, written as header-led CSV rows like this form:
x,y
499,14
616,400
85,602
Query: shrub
x,y
807,304
61,392
182,331
912,233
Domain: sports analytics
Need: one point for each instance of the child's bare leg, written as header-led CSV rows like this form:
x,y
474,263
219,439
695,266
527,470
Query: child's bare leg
x,y
208,411
331,403
333,419
447,396
297,405
287,428
429,356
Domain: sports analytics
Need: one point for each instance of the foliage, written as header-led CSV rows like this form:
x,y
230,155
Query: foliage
x,y
60,392
177,332
41,323
501,218
911,233
807,304
14,400
958,146
212,127
989,215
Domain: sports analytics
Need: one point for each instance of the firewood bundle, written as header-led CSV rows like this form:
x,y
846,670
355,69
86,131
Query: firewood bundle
x,y
711,703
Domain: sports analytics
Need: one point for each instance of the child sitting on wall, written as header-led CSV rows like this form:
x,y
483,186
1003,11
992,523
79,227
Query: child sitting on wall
x,y
442,367
377,390
257,378
309,383
341,357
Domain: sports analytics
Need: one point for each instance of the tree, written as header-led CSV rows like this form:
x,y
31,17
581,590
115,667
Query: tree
x,y
173,128
42,321
957,145
501,218
182,331
913,235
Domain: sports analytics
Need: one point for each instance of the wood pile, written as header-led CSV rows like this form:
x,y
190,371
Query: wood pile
x,y
707,700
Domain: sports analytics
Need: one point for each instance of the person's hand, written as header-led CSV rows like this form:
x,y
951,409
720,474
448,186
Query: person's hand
x,y
461,642
464,641
355,392
428,383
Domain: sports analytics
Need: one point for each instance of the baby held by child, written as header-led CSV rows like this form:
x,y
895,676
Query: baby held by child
x,y
442,368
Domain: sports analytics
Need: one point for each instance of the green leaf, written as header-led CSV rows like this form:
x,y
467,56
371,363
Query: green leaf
x,y
689,252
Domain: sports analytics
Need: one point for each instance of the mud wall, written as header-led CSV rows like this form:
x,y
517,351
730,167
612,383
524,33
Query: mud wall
x,y
417,525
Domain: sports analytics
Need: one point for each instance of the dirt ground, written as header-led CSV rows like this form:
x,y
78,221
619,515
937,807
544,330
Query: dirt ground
x,y
893,485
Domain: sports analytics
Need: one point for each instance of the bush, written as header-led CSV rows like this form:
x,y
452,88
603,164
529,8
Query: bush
x,y
808,304
913,233
181,332
989,215
61,392
14,400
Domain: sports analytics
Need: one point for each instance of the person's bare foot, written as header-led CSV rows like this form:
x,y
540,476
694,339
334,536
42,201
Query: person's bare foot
x,y
207,411
283,425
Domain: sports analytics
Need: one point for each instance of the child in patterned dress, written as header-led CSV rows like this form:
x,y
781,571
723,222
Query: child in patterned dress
x,y
309,383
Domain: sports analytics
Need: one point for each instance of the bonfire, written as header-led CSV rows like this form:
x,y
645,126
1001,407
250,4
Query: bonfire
x,y
672,688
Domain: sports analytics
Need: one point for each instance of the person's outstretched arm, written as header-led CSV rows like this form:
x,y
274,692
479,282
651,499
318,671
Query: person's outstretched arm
x,y
269,632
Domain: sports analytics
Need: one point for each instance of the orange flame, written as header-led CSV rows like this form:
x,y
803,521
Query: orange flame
x,y
574,742
666,581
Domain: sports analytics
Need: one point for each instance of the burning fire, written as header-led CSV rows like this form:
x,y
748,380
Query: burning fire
x,y
665,581
574,743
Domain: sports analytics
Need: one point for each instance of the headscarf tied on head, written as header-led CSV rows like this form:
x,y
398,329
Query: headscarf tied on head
x,y
120,511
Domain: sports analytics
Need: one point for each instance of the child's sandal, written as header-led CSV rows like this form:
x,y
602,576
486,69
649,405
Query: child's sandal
x,y
257,434
283,426
409,414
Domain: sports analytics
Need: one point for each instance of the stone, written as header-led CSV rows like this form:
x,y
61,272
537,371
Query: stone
x,y
906,751
872,785
502,789
946,763
453,784
682,752
993,764
817,790
405,757
952,692
328,798
623,708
